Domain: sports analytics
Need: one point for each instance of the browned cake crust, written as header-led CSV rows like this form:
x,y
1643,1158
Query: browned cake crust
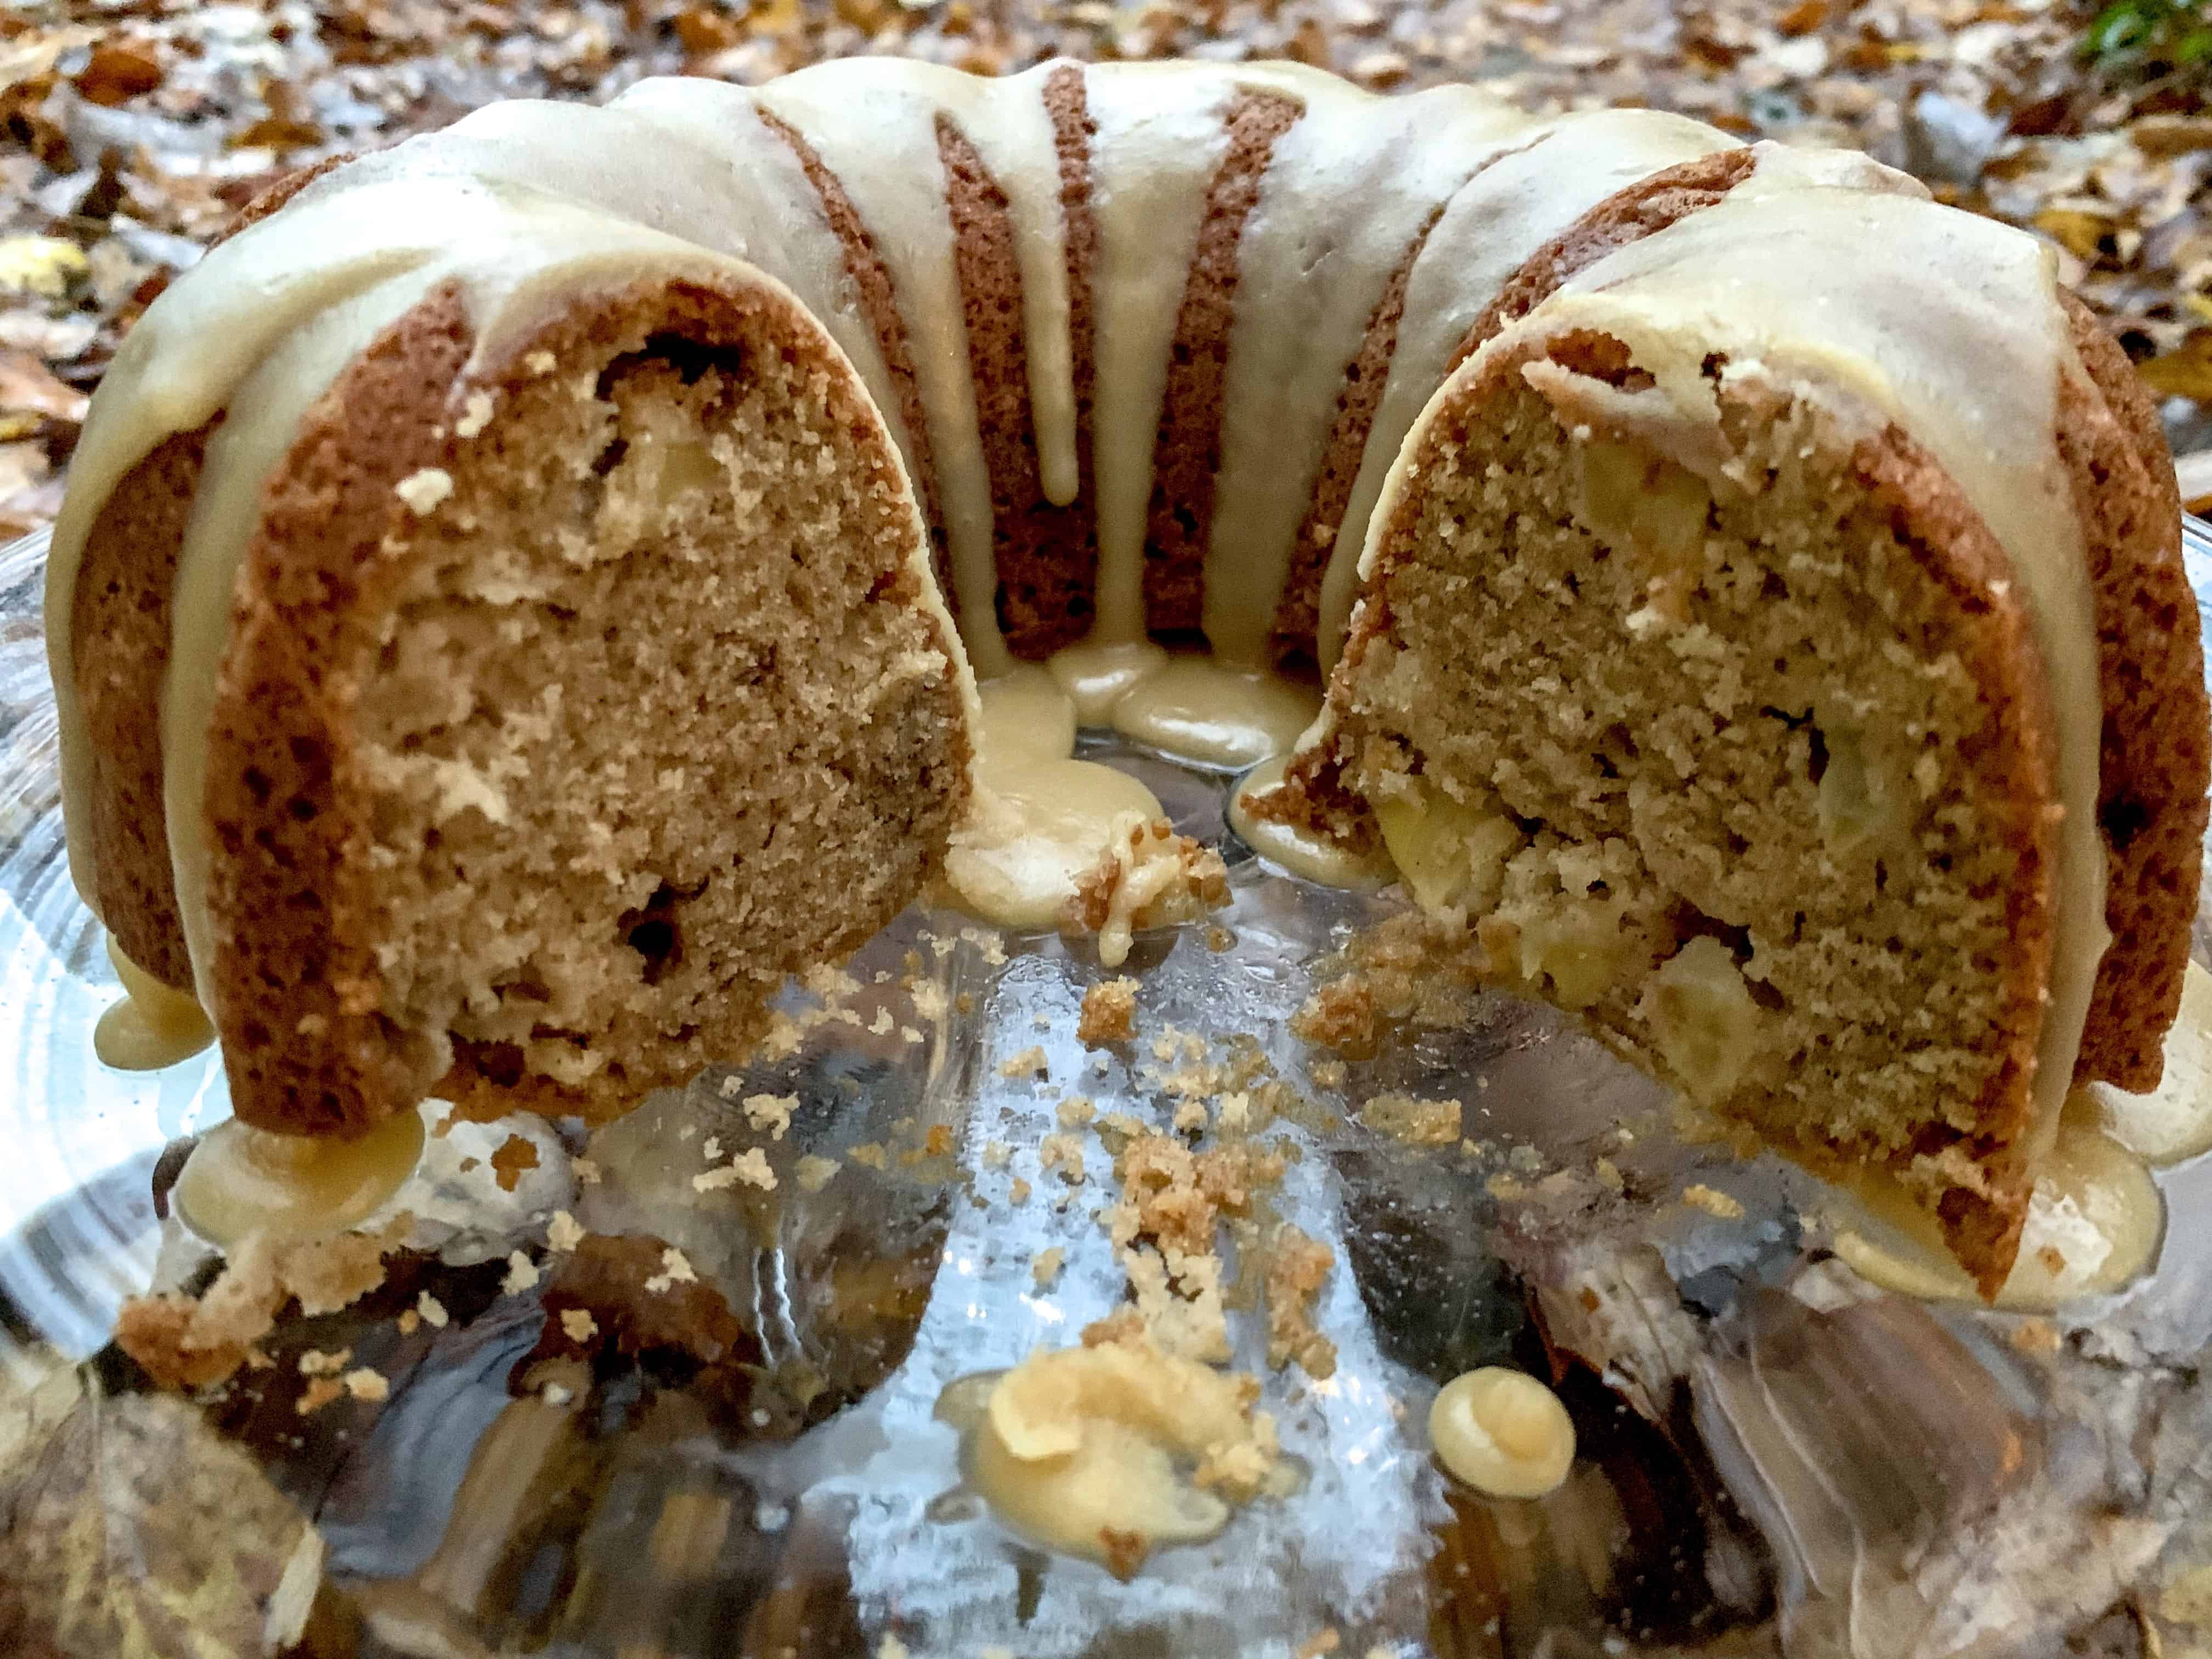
x,y
2157,738
879,303
119,641
1046,556
294,979
1298,614
260,205
1186,452
1049,579
2013,761
1626,215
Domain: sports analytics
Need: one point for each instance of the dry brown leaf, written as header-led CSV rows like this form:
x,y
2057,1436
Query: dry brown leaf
x,y
118,72
1804,17
28,387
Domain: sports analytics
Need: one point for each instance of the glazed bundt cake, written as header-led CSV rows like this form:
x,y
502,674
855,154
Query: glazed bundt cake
x,y
1757,656
496,612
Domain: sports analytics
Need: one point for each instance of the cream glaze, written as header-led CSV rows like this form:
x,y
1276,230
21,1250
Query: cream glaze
x,y
240,1180
1963,344
2095,1224
1303,852
1208,711
152,1026
1042,818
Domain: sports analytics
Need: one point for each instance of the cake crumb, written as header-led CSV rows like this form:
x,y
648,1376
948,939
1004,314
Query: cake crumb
x,y
675,1269
813,1173
315,1363
1019,1193
515,1155
997,1154
476,414
1045,1266
1148,877
578,1325
2036,1336
750,1168
1329,1074
1713,1201
870,1155
366,1384
433,1312
1062,1152
192,1341
521,1275
586,1171
1338,1016
1109,1014
539,362
1413,1122
1298,1266
423,490
1031,1062
1321,1642
563,1233
771,1112
1609,1176
891,1648
409,1321
1076,1112
318,1395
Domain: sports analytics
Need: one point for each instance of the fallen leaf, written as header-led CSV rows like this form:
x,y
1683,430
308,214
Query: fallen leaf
x,y
2079,233
118,72
1804,17
40,265
28,387
2187,372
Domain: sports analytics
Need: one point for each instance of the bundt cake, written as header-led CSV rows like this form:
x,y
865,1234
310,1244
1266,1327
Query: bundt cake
x,y
496,612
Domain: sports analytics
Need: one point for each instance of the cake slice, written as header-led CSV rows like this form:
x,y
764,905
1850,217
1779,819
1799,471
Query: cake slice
x,y
1772,685
576,674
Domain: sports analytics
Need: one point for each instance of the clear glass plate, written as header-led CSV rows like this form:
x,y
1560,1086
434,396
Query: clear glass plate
x,y
1771,1457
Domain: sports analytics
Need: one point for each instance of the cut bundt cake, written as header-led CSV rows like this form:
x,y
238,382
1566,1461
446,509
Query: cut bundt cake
x,y
1760,647
504,612
531,652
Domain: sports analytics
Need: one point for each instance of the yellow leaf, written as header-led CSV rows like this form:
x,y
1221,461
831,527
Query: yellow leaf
x,y
2187,372
2077,232
40,265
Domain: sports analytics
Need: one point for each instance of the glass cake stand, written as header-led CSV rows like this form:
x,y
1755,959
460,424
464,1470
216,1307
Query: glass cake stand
x,y
1773,1457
